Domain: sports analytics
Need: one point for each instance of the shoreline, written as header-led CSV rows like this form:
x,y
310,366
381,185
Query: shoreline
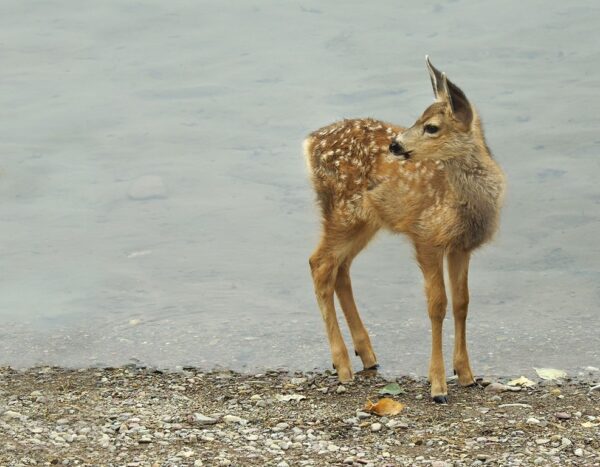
x,y
142,416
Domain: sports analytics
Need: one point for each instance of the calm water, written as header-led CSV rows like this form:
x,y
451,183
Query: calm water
x,y
154,201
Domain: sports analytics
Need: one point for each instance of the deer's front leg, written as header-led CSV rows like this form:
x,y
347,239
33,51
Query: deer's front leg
x,y
458,269
431,262
324,271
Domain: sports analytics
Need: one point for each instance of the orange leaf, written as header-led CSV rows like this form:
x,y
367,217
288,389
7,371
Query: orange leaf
x,y
385,406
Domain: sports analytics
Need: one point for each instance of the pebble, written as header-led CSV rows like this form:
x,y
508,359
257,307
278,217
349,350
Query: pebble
x,y
439,464
533,421
566,442
578,452
341,389
10,414
497,388
280,427
376,427
234,419
396,424
297,381
200,419
362,415
419,397
562,415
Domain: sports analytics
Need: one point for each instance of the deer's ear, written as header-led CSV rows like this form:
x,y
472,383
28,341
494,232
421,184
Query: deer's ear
x,y
460,105
437,80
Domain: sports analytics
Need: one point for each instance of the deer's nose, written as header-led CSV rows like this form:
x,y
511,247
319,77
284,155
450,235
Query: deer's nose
x,y
397,149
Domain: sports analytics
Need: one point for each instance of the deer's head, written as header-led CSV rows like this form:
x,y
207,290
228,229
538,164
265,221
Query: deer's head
x,y
446,127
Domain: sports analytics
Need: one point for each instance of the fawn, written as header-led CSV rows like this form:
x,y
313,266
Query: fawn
x,y
436,182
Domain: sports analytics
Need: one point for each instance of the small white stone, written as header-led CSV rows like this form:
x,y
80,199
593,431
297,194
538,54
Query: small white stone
x,y
533,421
203,419
578,452
234,419
281,427
297,381
376,427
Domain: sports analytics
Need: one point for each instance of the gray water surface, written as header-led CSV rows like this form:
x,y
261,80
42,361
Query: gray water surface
x,y
154,202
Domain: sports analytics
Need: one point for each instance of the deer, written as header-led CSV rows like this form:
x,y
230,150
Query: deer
x,y
435,182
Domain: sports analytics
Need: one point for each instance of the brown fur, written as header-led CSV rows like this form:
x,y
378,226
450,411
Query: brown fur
x,y
445,197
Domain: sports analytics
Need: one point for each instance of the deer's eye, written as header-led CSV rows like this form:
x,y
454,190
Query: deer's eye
x,y
431,129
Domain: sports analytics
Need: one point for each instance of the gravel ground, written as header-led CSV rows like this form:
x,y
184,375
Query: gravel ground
x,y
138,416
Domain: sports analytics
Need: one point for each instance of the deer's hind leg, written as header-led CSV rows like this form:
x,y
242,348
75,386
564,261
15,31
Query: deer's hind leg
x,y
343,290
331,256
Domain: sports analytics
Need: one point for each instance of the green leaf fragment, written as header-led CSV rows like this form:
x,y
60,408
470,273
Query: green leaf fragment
x,y
392,389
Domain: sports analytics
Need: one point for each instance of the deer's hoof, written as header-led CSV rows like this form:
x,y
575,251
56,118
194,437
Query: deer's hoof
x,y
373,367
440,399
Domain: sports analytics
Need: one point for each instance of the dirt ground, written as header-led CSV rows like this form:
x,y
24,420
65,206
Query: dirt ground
x,y
139,416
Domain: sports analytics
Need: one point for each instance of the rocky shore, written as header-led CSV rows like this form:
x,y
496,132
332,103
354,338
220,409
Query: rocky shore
x,y
135,416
